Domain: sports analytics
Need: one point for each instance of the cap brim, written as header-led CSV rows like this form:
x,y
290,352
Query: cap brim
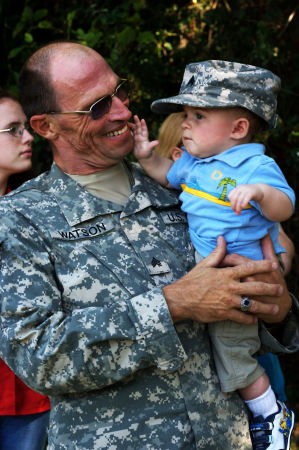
x,y
175,104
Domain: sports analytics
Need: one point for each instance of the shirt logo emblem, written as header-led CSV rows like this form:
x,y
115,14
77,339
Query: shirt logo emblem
x,y
155,262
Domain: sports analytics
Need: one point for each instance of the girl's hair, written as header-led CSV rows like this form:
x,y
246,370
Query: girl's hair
x,y
5,94
170,134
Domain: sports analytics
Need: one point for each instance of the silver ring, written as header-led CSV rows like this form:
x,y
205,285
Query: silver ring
x,y
245,304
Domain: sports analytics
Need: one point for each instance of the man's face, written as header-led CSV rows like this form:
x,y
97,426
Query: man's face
x,y
80,79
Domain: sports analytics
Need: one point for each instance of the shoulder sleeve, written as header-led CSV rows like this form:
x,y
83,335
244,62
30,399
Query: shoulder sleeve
x,y
269,173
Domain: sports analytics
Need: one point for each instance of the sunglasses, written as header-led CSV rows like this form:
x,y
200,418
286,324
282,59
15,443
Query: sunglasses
x,y
102,106
16,131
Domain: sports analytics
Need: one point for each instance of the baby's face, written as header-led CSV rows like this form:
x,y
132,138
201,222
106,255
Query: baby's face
x,y
207,131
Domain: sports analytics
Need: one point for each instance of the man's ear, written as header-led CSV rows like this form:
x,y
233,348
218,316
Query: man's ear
x,y
44,126
240,128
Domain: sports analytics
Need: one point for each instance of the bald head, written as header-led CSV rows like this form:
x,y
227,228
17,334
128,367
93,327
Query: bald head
x,y
48,64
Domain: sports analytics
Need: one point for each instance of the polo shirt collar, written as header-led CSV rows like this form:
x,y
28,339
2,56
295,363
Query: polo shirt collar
x,y
235,156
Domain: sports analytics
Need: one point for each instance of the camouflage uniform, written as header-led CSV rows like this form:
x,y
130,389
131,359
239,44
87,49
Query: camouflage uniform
x,y
84,320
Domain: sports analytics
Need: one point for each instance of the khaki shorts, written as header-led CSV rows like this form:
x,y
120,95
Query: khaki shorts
x,y
234,346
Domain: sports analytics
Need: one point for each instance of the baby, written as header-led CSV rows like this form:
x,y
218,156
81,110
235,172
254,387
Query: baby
x,y
229,188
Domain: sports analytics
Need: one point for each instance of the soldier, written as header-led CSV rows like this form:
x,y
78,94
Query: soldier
x,y
101,308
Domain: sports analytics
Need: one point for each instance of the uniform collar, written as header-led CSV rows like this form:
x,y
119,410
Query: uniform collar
x,y
235,156
78,205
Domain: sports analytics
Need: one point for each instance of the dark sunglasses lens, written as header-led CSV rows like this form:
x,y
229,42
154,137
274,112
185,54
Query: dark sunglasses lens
x,y
122,94
101,108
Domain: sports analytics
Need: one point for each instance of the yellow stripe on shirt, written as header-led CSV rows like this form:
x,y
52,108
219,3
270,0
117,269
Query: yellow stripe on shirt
x,y
209,197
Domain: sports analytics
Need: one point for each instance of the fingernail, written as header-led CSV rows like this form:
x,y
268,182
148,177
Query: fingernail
x,y
275,309
274,265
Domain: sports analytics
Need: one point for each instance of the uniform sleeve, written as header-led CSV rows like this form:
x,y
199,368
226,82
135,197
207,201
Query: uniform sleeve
x,y
289,339
56,352
269,173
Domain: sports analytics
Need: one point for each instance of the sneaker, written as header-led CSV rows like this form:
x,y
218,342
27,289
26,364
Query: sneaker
x,y
274,432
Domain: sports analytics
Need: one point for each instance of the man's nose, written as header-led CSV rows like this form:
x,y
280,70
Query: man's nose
x,y
120,109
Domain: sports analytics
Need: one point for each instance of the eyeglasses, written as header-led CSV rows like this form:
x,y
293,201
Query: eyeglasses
x,y
16,131
102,106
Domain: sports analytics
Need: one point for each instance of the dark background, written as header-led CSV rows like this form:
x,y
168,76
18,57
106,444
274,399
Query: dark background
x,y
151,42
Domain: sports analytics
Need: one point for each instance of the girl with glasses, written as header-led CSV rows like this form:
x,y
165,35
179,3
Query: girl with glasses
x,y
24,414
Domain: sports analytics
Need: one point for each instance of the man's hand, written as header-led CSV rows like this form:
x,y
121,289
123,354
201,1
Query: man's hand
x,y
210,294
283,301
288,245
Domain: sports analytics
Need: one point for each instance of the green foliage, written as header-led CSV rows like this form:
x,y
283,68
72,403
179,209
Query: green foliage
x,y
151,42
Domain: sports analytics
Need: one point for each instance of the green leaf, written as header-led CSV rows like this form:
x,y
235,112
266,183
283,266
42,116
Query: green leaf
x,y
69,21
126,36
168,45
15,51
40,14
27,14
19,27
70,16
146,37
45,24
28,38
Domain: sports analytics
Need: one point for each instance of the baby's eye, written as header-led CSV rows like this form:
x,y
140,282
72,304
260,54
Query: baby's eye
x,y
199,116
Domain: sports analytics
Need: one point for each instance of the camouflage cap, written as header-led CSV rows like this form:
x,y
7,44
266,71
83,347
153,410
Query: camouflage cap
x,y
213,83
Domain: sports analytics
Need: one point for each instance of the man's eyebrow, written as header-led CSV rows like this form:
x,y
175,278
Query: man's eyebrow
x,y
86,107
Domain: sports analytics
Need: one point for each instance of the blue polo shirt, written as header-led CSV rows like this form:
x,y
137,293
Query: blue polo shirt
x,y
205,185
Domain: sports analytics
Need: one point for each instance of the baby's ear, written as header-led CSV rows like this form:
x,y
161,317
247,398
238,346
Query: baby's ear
x,y
240,128
176,153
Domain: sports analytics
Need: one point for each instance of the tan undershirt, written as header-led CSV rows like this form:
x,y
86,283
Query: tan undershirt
x,y
111,184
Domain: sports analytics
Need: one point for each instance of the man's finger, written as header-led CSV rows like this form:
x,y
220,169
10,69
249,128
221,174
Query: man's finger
x,y
254,288
241,317
252,267
267,248
217,255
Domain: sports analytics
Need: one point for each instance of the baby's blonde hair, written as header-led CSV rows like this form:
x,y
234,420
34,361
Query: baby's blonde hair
x,y
170,134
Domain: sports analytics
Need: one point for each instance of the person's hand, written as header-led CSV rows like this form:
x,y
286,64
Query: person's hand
x,y
287,262
143,148
210,294
243,194
283,301
287,244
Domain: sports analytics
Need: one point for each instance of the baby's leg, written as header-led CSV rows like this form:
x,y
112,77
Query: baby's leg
x,y
272,423
259,397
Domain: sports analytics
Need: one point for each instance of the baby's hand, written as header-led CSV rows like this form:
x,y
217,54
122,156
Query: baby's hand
x,y
143,148
243,194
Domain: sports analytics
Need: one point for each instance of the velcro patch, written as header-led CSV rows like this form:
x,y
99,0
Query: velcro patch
x,y
175,216
88,231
